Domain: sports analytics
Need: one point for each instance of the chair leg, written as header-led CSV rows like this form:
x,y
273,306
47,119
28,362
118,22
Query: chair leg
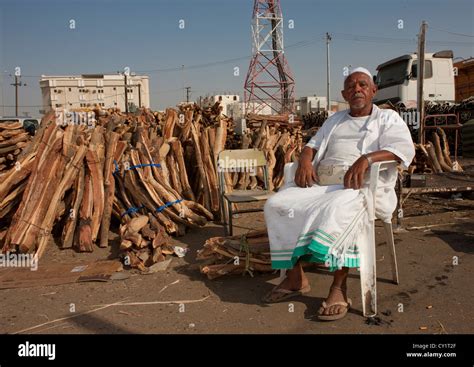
x,y
391,248
368,276
224,215
282,275
231,230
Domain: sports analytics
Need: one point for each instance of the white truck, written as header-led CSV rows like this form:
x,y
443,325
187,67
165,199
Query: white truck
x,y
397,79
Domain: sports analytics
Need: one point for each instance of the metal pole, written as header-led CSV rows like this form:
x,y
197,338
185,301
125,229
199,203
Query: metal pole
x,y
328,39
421,76
140,95
187,94
16,95
126,96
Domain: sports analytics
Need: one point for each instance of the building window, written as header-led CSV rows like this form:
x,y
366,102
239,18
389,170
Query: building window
x,y
115,103
235,98
115,88
220,98
69,89
58,105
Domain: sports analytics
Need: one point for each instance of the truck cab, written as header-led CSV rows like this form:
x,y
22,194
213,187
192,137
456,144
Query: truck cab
x,y
29,124
397,79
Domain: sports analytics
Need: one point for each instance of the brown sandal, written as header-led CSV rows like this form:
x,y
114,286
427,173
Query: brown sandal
x,y
280,294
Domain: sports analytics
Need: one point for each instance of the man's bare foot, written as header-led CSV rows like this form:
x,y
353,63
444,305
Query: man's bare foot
x,y
336,294
295,284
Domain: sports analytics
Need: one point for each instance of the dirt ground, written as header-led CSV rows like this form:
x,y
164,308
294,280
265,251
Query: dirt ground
x,y
434,296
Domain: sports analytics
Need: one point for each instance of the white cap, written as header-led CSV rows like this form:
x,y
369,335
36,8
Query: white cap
x,y
359,70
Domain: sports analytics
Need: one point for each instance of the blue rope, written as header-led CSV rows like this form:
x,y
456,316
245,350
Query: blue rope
x,y
144,165
163,207
116,167
132,210
135,167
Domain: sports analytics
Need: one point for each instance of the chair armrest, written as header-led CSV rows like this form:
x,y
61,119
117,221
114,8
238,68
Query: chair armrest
x,y
289,172
375,170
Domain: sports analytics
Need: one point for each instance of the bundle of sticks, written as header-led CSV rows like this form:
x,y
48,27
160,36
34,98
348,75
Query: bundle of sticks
x,y
434,157
143,242
194,140
236,254
13,138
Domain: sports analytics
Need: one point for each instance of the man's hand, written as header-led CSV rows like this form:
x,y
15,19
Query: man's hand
x,y
305,174
354,177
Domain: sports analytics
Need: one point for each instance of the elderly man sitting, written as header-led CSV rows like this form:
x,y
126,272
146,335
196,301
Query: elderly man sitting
x,y
321,218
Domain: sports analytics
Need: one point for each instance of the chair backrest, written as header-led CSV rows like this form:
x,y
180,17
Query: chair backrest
x,y
241,160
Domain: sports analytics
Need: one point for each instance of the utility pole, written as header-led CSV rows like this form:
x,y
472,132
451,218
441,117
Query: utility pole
x,y
421,75
328,39
17,84
140,95
126,95
188,92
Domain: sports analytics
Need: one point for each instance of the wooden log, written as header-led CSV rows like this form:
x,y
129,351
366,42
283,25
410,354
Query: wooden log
x,y
200,165
439,154
69,229
432,156
84,233
183,177
67,180
109,190
211,175
16,175
40,189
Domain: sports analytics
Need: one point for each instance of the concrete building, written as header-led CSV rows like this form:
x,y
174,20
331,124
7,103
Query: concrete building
x,y
87,91
225,100
237,110
305,105
312,104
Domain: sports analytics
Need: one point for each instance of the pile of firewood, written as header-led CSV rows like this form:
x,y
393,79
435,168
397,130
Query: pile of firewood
x,y
78,177
13,138
434,157
314,119
281,144
236,254
144,242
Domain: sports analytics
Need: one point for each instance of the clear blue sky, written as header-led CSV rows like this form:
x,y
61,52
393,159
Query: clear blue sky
x,y
145,36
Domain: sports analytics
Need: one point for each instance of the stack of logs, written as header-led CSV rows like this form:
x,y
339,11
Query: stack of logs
x,y
434,157
77,178
144,242
280,140
236,254
13,138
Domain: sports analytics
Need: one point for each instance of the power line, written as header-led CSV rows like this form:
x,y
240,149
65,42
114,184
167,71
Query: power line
x,y
300,44
453,33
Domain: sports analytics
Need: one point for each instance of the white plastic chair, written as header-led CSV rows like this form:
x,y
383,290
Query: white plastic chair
x,y
368,277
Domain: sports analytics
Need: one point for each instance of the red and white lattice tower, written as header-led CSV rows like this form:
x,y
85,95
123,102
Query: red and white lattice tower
x,y
269,80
